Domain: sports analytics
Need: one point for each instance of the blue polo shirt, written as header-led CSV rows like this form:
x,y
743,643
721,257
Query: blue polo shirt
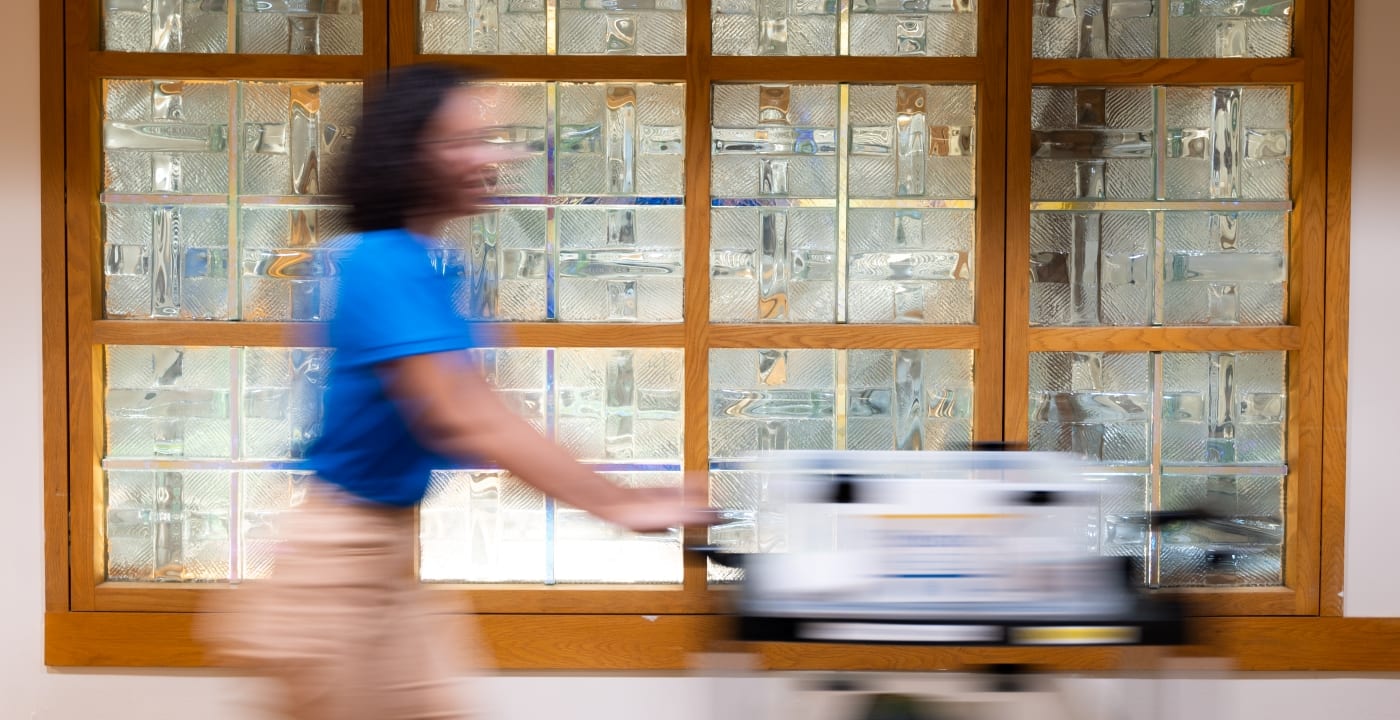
x,y
391,303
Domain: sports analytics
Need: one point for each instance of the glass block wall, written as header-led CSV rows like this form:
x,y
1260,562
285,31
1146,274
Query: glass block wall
x,y
843,263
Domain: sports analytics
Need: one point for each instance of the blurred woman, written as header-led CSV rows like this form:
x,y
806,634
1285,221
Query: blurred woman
x,y
342,626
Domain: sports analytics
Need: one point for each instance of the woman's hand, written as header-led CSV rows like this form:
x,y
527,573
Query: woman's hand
x,y
646,510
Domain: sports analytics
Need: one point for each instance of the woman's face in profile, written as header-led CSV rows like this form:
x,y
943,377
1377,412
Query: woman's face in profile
x,y
463,164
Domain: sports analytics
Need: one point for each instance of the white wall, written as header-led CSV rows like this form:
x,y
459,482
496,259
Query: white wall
x,y
1373,415
28,690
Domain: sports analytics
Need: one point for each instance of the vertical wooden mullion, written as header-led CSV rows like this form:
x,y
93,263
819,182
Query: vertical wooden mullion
x,y
402,32
53,300
1308,273
1341,22
83,171
696,301
1016,377
991,259
375,21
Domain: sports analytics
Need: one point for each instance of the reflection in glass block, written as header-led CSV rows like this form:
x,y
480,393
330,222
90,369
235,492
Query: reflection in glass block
x,y
482,526
773,264
168,402
588,550
1227,143
619,405
169,526
620,264
297,27
497,261
1095,405
912,141
1092,268
482,27
621,139
165,261
182,26
889,28
1243,548
749,524
266,498
1226,268
1123,503
166,136
281,412
1092,143
622,27
293,135
908,399
774,141
1095,29
1224,408
910,266
289,258
774,27
1231,29
771,400
520,377
517,115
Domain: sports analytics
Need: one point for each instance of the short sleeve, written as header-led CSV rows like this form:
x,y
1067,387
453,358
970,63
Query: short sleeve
x,y
391,304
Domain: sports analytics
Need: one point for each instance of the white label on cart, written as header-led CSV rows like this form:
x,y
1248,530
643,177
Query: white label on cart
x,y
945,558
891,632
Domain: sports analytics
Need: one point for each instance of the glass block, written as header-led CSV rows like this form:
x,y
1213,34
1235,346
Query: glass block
x,y
1243,548
588,550
910,266
168,526
912,141
1226,268
482,526
1228,143
1231,28
774,27
166,136
1094,29
1094,405
1092,143
294,135
1224,408
774,141
165,261
620,139
281,412
1123,503
1092,268
289,259
771,400
620,264
497,261
620,405
517,114
622,27
889,28
520,377
297,27
168,402
182,26
482,27
773,264
749,523
266,497
908,399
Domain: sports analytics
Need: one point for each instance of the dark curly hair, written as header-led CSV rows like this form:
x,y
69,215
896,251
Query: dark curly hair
x,y
382,180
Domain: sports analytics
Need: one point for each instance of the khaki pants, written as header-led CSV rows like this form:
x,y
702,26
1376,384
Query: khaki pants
x,y
343,628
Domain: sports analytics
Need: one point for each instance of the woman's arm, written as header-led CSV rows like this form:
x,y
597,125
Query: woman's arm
x,y
454,411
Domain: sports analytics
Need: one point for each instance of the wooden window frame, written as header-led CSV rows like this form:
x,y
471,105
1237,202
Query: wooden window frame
x,y
92,622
